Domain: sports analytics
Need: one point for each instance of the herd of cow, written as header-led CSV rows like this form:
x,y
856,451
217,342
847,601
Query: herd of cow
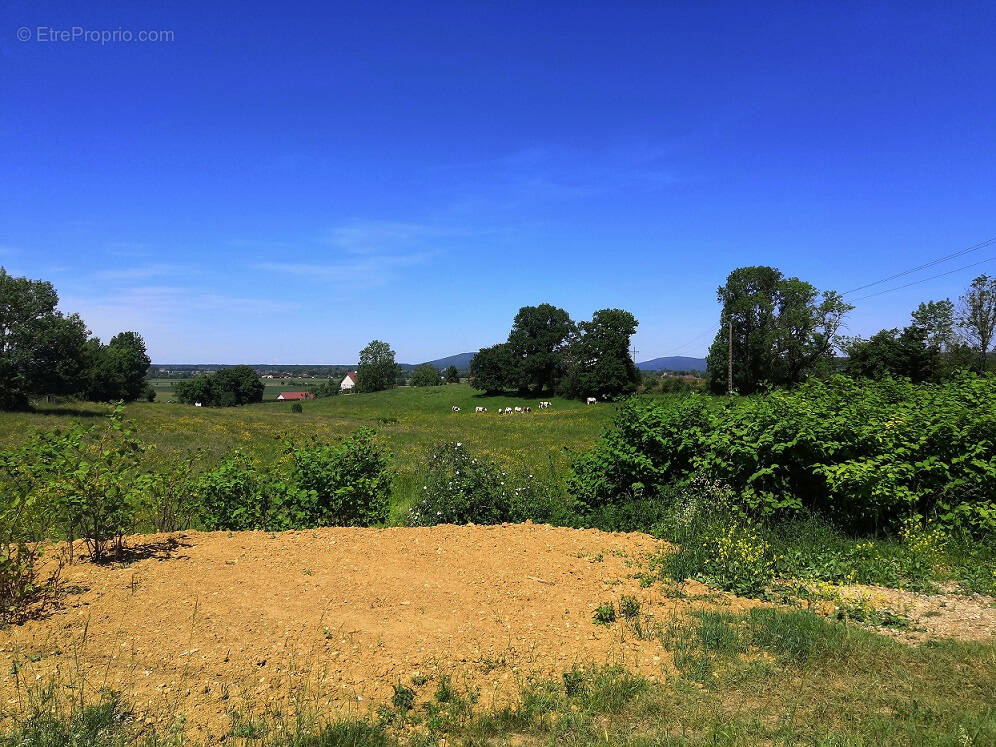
x,y
514,410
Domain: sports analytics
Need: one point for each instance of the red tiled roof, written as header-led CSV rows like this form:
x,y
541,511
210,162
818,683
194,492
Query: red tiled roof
x,y
296,395
351,375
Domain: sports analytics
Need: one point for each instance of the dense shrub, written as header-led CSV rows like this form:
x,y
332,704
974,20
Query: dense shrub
x,y
460,488
866,454
349,480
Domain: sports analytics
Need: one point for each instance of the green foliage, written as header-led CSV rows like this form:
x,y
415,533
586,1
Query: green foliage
x,y
90,481
377,369
239,494
165,498
41,350
349,480
783,330
425,375
597,361
296,407
452,375
977,317
116,371
237,385
459,488
536,341
491,369
865,454
605,614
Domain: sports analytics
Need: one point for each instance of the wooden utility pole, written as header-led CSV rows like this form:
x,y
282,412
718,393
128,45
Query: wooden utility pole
x,y
729,360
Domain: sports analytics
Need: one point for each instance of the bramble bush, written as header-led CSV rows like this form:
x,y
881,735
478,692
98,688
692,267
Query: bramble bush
x,y
865,454
460,488
348,482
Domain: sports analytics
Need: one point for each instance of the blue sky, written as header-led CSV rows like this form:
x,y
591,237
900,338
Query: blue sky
x,y
282,182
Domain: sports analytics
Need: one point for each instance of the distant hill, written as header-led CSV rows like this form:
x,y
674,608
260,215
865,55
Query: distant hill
x,y
460,360
673,363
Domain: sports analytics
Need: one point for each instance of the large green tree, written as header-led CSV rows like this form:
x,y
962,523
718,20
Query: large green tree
x,y
597,360
536,342
493,369
783,329
41,350
236,385
377,369
977,317
117,371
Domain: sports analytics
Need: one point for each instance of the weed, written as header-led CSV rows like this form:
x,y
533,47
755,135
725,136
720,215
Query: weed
x,y
605,614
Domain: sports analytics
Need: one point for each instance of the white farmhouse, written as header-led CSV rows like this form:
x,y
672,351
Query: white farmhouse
x,y
348,381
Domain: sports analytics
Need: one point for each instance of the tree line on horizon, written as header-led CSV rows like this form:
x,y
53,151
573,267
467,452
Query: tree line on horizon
x,y
777,331
780,331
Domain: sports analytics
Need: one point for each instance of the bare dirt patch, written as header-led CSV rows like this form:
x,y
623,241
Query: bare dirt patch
x,y
947,615
200,623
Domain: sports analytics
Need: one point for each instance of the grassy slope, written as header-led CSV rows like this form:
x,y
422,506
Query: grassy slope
x,y
409,420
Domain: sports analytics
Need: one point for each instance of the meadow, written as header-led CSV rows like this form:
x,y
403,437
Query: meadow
x,y
409,421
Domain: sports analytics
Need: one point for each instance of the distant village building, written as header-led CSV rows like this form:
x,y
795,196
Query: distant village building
x,y
348,381
295,395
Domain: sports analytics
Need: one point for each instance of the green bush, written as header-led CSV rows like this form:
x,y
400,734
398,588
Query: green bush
x,y
866,454
460,488
348,480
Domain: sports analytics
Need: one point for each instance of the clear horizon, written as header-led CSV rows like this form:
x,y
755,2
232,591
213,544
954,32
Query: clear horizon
x,y
288,183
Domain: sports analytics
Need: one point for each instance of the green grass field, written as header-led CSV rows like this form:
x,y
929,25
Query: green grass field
x,y
272,387
408,420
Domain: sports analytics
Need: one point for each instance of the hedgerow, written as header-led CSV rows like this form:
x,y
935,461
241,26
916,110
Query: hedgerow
x,y
865,454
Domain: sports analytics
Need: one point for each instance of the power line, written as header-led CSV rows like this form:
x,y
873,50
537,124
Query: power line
x,y
923,280
924,266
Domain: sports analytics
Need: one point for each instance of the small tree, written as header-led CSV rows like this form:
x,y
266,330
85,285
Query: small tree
x,y
377,369
977,316
452,375
425,375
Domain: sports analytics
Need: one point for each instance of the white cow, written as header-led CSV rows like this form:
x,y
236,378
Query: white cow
x,y
544,405
480,409
518,409
455,408
591,401
508,410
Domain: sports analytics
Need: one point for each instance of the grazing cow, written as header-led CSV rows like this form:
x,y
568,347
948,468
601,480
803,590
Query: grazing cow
x,y
518,409
508,410
544,405
590,401
455,408
526,409
480,409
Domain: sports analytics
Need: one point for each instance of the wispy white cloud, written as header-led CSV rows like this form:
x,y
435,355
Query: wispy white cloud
x,y
361,273
139,272
553,173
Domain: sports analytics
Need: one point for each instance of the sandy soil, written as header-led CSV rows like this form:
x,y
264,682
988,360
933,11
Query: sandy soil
x,y
211,621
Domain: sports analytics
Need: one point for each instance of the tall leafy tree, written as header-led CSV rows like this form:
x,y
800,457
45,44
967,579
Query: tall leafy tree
x,y
452,375
597,360
117,371
377,369
538,336
977,316
937,320
783,329
494,369
41,350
